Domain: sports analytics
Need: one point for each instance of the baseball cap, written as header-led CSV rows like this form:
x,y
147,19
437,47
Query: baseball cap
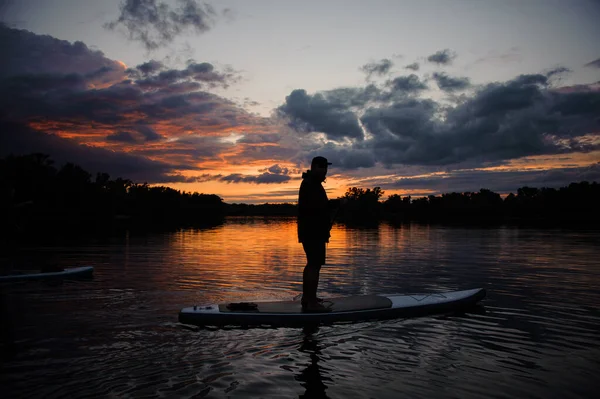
x,y
320,161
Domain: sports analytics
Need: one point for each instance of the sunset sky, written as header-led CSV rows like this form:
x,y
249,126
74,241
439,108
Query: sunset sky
x,y
235,97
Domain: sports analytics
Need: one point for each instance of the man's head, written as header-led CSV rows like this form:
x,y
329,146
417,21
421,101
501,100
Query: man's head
x,y
318,167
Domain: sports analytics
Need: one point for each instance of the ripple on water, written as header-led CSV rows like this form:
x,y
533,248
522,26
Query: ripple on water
x,y
118,336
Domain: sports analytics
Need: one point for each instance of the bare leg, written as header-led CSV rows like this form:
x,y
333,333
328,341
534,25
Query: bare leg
x,y
310,279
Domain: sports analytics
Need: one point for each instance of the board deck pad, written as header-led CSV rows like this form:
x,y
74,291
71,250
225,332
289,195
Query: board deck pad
x,y
344,304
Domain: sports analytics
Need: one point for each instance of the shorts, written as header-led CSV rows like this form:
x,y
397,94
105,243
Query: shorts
x,y
315,252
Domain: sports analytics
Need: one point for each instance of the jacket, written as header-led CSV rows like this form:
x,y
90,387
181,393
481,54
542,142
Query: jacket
x,y
314,221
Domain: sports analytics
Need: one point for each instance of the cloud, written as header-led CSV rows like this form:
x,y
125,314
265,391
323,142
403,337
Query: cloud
x,y
92,88
141,135
274,174
498,181
377,68
27,54
16,138
512,55
594,64
414,66
146,111
557,71
309,113
494,123
122,137
442,57
260,138
450,84
407,84
263,178
156,24
147,68
154,75
149,133
278,170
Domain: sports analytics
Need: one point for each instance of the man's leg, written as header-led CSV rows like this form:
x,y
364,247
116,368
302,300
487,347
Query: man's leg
x,y
315,256
310,282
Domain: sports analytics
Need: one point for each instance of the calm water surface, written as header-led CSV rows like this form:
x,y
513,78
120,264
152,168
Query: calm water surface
x,y
538,335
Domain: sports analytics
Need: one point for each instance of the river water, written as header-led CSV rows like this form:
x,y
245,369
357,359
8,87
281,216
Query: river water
x,y
117,335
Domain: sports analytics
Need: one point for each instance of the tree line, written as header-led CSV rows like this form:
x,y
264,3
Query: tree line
x,y
36,197
576,203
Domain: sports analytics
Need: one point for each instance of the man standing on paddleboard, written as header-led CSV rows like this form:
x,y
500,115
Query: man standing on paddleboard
x,y
314,224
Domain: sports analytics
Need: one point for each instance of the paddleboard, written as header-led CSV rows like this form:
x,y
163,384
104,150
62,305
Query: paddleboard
x,y
75,272
343,309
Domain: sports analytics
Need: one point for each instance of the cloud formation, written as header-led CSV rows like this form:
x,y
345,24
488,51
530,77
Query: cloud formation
x,y
377,68
156,24
150,111
407,84
442,57
15,138
52,60
594,64
496,122
450,84
263,178
499,181
321,112
414,66
274,174
154,75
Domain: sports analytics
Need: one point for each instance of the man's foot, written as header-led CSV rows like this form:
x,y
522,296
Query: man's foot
x,y
314,307
319,300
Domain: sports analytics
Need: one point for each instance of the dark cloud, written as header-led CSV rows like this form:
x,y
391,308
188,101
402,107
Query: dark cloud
x,y
157,24
260,138
85,96
402,131
194,76
499,181
122,137
149,133
594,64
377,68
165,95
260,152
309,113
25,54
414,66
442,57
277,170
263,178
147,68
334,112
557,72
497,122
18,139
407,84
141,135
500,122
450,84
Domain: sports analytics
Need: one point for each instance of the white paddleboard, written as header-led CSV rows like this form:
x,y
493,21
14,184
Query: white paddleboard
x,y
344,309
75,272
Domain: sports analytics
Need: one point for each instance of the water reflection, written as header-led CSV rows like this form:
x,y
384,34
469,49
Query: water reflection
x,y
119,335
311,377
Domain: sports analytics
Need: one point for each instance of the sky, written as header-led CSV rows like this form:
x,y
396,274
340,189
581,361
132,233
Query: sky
x,y
234,98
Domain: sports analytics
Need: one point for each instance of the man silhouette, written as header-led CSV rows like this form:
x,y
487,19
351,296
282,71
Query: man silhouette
x,y
314,224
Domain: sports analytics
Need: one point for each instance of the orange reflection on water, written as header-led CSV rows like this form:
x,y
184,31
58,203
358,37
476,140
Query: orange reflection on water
x,y
248,253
